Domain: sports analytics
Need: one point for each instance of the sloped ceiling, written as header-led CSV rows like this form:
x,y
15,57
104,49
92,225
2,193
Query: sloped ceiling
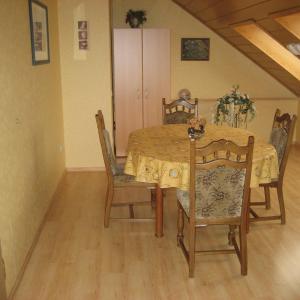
x,y
221,15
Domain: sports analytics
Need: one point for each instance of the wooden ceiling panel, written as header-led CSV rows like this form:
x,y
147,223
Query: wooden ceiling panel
x,y
197,6
225,8
263,61
221,15
257,12
186,2
284,37
282,74
238,40
269,24
228,32
291,23
264,41
248,49
277,31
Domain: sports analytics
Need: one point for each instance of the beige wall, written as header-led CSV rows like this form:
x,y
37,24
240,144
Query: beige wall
x,y
31,144
206,79
211,79
86,84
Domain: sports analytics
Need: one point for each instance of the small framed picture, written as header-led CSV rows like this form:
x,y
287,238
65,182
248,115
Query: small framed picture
x,y
38,14
82,29
82,25
195,49
83,45
82,35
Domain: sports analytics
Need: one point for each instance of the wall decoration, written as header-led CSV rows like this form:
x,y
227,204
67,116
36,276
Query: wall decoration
x,y
194,49
81,32
38,13
82,35
136,18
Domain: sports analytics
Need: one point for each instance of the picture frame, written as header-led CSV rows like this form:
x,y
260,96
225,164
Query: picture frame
x,y
39,32
195,49
83,42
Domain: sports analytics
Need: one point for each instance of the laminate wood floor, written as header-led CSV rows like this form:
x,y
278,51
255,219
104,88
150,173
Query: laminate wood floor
x,y
76,258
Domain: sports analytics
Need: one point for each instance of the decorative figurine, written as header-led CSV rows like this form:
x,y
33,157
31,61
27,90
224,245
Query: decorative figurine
x,y
184,94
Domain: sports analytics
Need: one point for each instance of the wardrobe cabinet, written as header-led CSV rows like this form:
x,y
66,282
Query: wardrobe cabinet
x,y
141,80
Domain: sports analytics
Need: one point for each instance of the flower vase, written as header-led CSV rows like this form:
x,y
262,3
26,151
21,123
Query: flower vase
x,y
234,109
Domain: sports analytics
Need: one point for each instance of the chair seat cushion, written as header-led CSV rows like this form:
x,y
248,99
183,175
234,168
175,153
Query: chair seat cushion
x,y
118,169
178,117
219,193
121,179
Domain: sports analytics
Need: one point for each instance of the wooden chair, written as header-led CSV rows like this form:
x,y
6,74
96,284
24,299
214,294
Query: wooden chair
x,y
218,195
281,138
122,189
179,111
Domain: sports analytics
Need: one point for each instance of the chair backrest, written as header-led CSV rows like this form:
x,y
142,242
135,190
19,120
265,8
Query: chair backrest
x,y
282,137
220,178
179,111
107,150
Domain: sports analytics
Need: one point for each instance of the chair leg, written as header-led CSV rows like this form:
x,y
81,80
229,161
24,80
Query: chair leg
x,y
180,225
243,249
281,203
131,211
109,198
153,198
267,197
231,234
192,233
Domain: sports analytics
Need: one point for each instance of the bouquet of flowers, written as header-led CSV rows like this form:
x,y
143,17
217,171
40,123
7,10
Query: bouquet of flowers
x,y
196,127
235,109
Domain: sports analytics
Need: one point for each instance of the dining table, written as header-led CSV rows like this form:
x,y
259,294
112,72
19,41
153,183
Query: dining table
x,y
161,155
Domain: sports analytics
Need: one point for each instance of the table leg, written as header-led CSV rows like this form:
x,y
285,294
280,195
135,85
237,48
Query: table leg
x,y
159,212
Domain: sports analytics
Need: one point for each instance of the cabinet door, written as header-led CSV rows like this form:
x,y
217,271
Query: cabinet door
x,y
156,74
127,85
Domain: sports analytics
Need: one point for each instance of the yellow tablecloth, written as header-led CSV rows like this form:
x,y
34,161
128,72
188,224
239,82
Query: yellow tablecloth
x,y
161,154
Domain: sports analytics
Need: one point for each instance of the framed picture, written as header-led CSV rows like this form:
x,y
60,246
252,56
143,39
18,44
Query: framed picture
x,y
83,35
38,13
194,49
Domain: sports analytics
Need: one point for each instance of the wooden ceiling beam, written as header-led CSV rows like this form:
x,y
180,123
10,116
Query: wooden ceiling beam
x,y
237,11
264,41
291,23
259,11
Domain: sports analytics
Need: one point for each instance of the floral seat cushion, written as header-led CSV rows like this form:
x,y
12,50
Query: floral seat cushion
x,y
121,179
219,193
178,117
